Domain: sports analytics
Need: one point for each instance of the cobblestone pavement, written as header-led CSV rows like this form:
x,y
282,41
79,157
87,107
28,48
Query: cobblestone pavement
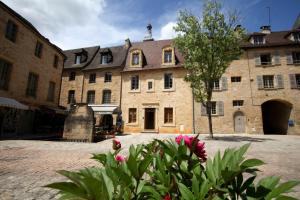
x,y
26,166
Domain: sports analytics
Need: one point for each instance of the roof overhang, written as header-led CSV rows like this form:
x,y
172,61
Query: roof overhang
x,y
105,109
12,103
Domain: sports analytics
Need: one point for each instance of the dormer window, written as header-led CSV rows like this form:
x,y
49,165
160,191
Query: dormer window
x,y
77,59
258,39
168,55
81,57
296,37
135,59
104,59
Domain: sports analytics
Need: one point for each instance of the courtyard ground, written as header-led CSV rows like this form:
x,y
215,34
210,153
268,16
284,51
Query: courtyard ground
x,y
26,166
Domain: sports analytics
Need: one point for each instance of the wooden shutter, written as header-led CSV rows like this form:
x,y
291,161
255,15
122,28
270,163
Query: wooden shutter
x,y
289,58
257,60
279,81
293,81
276,58
224,83
259,80
220,107
203,110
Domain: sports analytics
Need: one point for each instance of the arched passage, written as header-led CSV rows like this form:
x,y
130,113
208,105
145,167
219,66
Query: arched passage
x,y
275,114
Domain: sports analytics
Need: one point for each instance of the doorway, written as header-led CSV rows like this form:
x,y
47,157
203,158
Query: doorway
x,y
275,116
239,122
149,118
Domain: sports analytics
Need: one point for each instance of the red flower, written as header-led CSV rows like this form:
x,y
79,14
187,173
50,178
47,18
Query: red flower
x,y
199,146
120,158
167,197
116,144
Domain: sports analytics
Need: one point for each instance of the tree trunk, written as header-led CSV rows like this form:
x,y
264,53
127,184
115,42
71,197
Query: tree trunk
x,y
209,119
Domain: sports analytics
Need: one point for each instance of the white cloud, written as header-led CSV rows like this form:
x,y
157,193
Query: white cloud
x,y
73,23
167,31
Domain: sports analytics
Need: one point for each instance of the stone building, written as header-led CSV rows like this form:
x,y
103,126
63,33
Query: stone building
x,y
30,72
92,76
259,93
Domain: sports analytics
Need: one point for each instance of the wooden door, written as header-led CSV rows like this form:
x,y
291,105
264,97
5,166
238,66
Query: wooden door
x,y
149,118
239,122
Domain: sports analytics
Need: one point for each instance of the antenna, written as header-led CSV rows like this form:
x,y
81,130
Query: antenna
x,y
269,9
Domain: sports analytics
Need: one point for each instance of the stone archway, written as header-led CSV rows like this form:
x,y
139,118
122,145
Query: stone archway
x,y
275,115
239,122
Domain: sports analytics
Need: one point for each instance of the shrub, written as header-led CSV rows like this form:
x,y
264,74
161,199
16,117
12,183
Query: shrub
x,y
172,170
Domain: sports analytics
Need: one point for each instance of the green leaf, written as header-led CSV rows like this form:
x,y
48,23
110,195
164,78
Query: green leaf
x,y
152,191
185,192
283,197
247,183
282,188
251,163
68,188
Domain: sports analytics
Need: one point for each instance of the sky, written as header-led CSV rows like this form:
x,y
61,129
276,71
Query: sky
x,y
81,23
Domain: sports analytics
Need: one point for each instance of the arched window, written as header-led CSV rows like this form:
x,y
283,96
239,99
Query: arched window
x,y
106,97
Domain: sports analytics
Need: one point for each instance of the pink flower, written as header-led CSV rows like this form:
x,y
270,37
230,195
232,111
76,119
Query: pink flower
x,y
116,144
167,197
120,158
199,146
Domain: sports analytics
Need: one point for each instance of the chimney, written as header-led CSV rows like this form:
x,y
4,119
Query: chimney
x,y
265,29
148,36
127,43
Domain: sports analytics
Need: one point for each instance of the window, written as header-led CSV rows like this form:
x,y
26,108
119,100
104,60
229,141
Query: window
x,y
216,85
168,119
268,81
297,77
296,37
135,82
258,39
168,56
213,108
150,85
32,84
5,69
38,49
235,79
168,81
11,31
135,59
71,96
72,76
90,99
296,57
108,77
132,115
104,58
51,91
106,98
265,59
237,103
78,59
55,62
92,78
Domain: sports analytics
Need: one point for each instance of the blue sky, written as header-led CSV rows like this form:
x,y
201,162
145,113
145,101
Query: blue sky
x,y
81,23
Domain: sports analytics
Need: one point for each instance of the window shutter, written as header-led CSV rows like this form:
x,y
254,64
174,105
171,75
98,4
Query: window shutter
x,y
203,110
224,83
289,58
293,81
276,58
259,80
220,107
279,81
257,60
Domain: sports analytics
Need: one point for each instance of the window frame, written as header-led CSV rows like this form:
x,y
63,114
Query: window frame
x,y
297,79
90,97
103,55
135,83
296,54
296,36
236,79
168,81
269,59
135,55
132,119
213,108
51,91
6,68
92,78
107,77
216,85
71,96
32,85
167,118
38,52
268,82
258,39
104,98
77,58
55,61
11,31
72,76
238,103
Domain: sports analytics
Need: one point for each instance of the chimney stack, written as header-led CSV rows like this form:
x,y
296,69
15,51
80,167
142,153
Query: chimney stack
x,y
265,29
148,36
127,43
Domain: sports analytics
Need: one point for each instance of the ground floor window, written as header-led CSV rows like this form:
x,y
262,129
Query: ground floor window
x,y
168,118
213,108
132,115
91,97
237,103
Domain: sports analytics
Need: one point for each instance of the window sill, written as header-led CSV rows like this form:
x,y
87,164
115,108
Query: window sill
x,y
132,124
168,64
135,91
107,82
169,90
150,91
168,125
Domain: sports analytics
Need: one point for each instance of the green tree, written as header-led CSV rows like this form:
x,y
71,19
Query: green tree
x,y
208,45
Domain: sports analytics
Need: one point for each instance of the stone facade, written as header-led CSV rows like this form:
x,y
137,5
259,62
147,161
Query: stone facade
x,y
21,55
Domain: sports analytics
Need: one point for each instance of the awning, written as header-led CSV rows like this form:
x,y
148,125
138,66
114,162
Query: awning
x,y
104,109
54,110
11,103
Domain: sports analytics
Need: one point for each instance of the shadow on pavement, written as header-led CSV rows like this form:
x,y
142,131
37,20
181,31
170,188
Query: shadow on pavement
x,y
240,139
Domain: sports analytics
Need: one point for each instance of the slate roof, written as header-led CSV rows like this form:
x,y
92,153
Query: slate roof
x,y
152,53
118,58
279,38
26,23
70,60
